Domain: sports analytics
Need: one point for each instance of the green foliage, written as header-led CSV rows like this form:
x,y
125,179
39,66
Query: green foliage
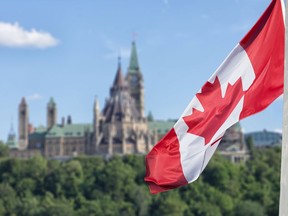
x,y
8,198
4,150
94,186
249,208
250,145
90,208
169,204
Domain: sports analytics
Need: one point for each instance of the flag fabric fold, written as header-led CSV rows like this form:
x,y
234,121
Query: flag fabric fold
x,y
248,80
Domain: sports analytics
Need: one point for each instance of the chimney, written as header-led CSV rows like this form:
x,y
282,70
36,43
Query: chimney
x,y
63,121
69,120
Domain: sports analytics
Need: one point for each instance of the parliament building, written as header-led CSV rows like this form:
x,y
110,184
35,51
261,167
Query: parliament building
x,y
120,128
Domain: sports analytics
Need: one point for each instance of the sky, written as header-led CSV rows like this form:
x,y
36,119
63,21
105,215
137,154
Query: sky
x,y
68,49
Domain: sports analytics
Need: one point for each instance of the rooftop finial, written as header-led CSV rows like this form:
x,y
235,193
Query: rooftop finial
x,y
12,127
134,36
96,103
119,60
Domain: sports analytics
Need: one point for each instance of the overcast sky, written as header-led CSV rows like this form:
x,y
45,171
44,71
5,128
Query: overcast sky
x,y
68,49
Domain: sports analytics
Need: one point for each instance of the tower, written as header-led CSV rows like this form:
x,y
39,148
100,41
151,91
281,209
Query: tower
x,y
135,81
11,141
121,105
120,117
51,113
23,116
96,122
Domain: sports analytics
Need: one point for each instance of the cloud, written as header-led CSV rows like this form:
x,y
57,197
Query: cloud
x,y
34,97
115,50
13,35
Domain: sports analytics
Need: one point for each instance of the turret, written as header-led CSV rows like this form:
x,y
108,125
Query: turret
x,y
119,83
51,113
135,81
23,117
120,105
96,121
11,141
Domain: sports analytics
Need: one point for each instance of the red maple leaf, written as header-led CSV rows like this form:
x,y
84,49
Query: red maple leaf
x,y
216,108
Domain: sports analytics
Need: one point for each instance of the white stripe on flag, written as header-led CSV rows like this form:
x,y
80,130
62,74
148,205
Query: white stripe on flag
x,y
193,152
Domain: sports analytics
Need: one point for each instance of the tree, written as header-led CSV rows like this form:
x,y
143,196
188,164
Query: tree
x,y
59,208
4,150
250,146
29,206
249,208
25,187
8,198
117,179
137,163
73,177
141,200
169,204
95,186
92,167
90,208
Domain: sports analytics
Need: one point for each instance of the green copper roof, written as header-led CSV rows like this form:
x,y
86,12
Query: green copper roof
x,y
38,134
134,65
71,130
236,127
12,142
51,102
161,126
40,129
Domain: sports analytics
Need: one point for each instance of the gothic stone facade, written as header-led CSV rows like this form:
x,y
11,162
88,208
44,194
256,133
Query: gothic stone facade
x,y
120,128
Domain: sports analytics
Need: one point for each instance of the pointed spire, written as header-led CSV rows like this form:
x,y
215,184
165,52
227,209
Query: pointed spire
x,y
12,127
11,141
134,65
51,113
119,80
96,104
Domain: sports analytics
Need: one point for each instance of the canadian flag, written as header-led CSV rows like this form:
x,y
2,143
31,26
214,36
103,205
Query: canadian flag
x,y
248,80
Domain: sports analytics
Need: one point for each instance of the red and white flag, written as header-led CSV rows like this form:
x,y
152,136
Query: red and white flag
x,y
249,79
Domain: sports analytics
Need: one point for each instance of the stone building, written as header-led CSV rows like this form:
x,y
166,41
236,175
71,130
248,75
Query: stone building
x,y
23,118
233,145
120,128
264,139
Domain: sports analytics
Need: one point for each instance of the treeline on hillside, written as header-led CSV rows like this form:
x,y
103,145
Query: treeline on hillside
x,y
94,186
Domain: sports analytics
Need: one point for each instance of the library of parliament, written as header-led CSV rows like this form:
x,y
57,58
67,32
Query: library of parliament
x,y
120,128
